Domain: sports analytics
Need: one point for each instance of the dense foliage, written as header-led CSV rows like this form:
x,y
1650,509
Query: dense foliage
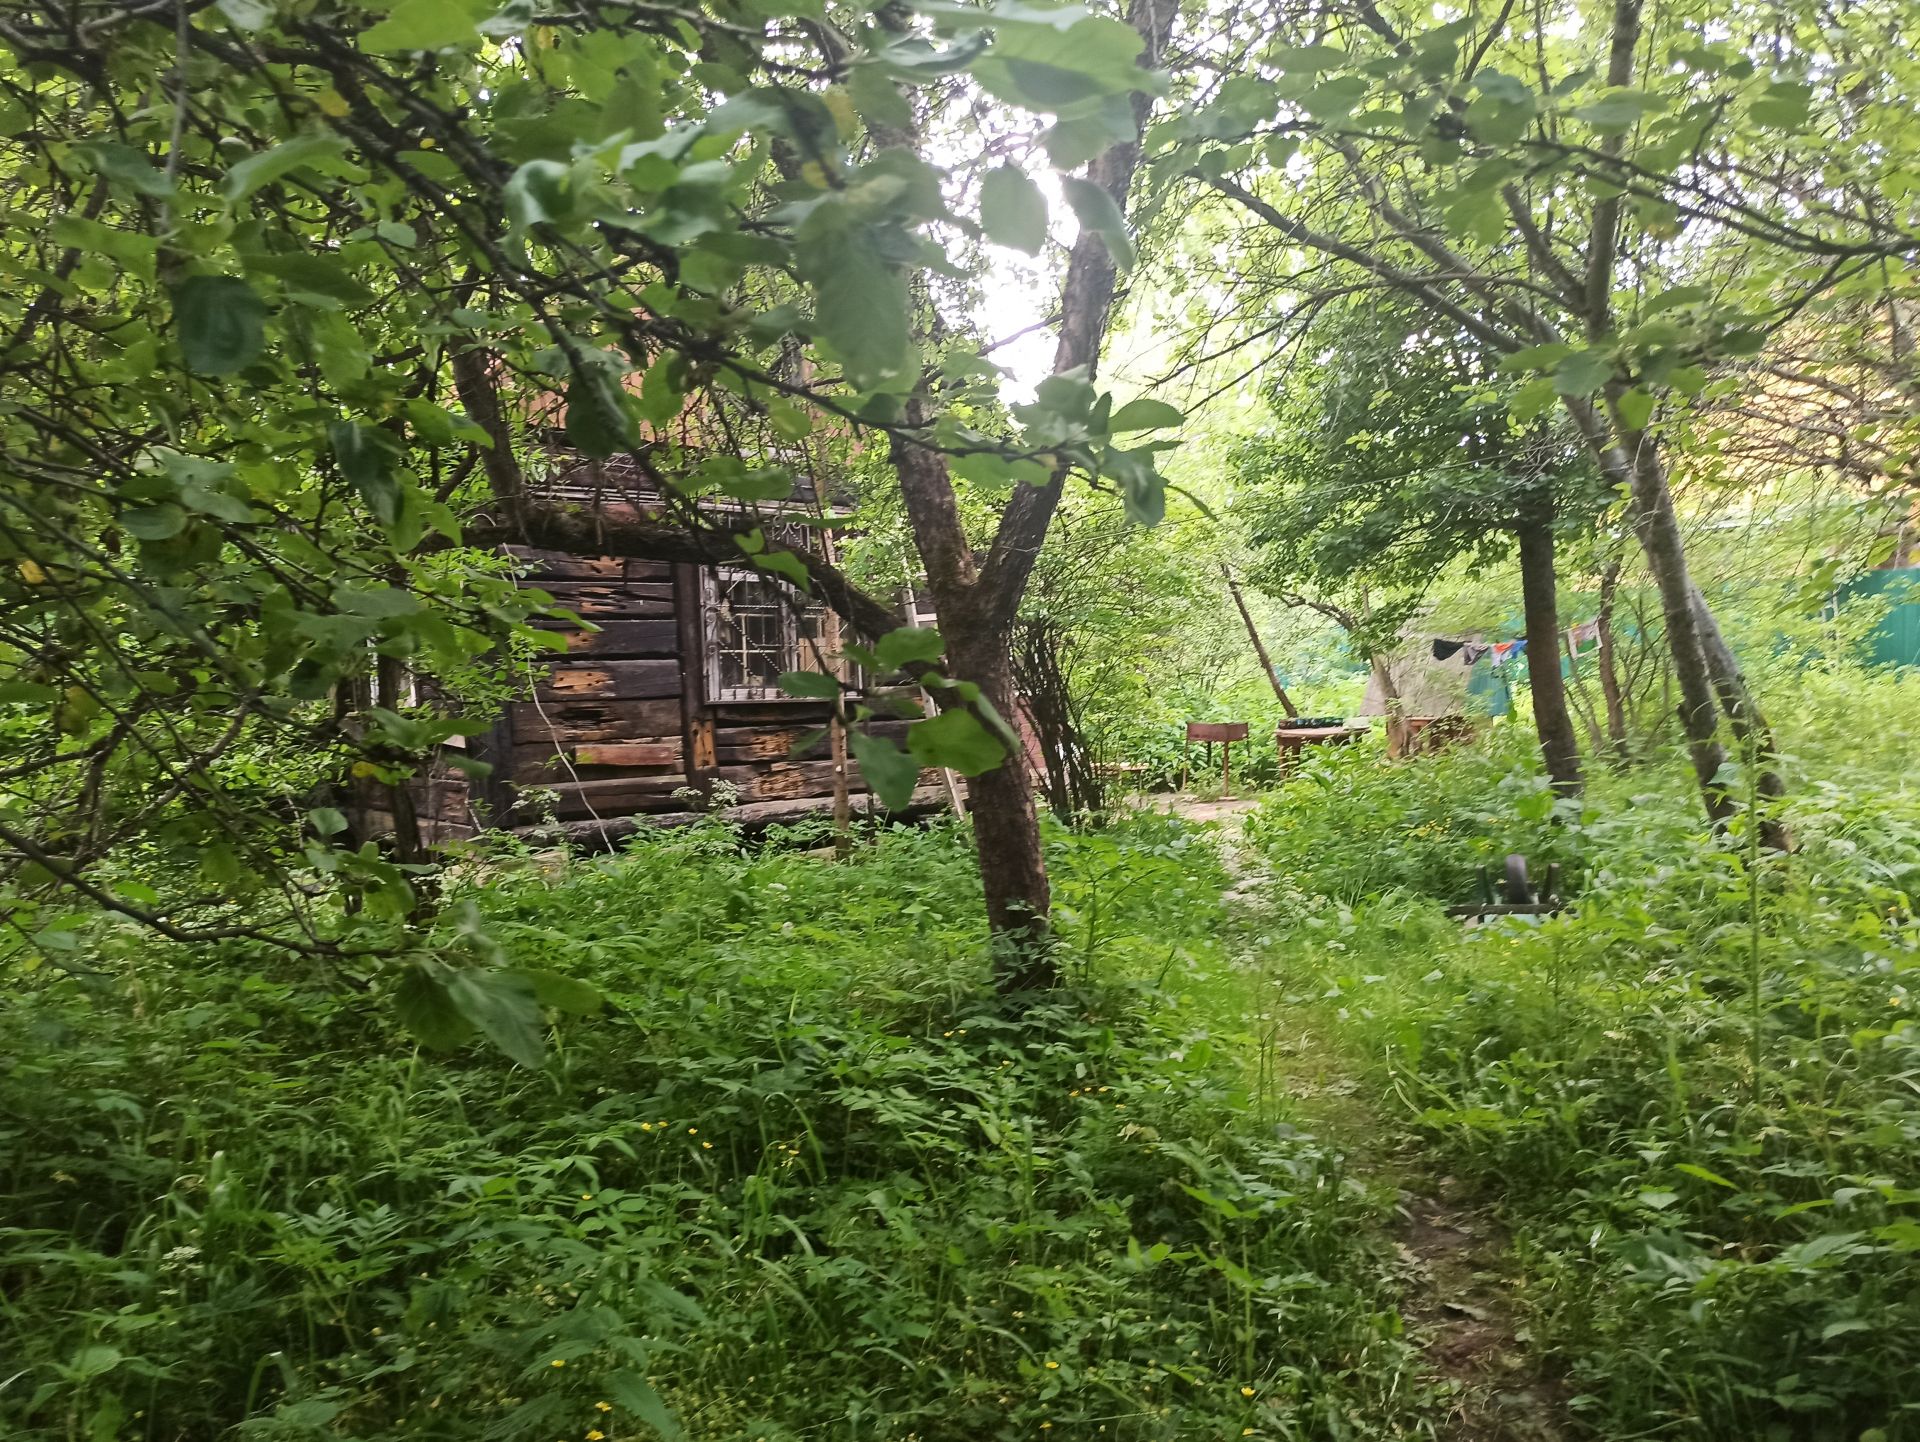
x,y
1692,1094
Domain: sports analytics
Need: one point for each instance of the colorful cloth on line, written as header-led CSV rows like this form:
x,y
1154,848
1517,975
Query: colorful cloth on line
x,y
1505,651
1578,636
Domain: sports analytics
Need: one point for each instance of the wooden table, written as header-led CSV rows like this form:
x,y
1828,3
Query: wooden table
x,y
1292,740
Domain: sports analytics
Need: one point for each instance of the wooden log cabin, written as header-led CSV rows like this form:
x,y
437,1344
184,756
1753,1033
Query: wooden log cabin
x,y
670,708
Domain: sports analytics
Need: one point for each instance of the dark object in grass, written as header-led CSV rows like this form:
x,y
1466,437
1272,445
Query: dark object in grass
x,y
1305,723
1516,896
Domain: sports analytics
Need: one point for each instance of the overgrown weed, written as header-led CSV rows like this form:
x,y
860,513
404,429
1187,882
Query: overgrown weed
x,y
804,1178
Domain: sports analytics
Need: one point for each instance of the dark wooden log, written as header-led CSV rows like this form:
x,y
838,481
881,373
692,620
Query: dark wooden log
x,y
615,600
612,681
566,566
568,722
616,796
623,639
753,816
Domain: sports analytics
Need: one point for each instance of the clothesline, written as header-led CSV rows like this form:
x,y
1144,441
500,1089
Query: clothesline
x,y
1471,652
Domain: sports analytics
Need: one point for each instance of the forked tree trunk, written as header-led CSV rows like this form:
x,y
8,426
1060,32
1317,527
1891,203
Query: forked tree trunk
x,y
1552,721
1703,667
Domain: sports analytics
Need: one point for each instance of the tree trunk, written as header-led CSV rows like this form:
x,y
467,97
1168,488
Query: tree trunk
x,y
1259,646
1609,666
1559,748
1658,530
1006,830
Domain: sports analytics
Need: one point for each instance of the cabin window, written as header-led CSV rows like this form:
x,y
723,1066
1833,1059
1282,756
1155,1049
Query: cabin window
x,y
757,629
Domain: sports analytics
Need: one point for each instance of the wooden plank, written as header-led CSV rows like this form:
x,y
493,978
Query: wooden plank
x,y
612,681
542,764
783,780
629,753
622,639
571,722
697,724
736,744
776,713
566,566
1216,731
614,600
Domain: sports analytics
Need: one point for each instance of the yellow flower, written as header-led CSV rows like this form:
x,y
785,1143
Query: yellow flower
x,y
559,1361
1246,1391
596,1435
693,1131
603,1406
1053,1366
1046,1426
707,1145
586,1196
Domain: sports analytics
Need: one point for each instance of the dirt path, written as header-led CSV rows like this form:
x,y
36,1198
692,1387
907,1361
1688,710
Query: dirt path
x,y
1452,1264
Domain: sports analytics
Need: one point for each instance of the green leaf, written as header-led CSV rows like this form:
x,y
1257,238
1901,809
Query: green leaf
x,y
1097,212
425,1010
633,1394
599,422
366,456
501,1005
1088,130
1693,1170
27,693
1618,109
1012,210
1784,106
877,98
814,685
890,772
221,323
565,994
269,165
155,523
421,25
124,166
956,740
1636,409
1582,373
905,645
1143,490
1145,414
860,301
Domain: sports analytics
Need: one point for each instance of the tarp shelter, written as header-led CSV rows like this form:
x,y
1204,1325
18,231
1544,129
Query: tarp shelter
x,y
1427,687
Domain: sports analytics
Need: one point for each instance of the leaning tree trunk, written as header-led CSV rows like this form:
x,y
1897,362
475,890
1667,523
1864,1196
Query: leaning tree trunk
x,y
1552,721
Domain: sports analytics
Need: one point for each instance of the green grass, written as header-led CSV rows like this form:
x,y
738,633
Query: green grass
x,y
803,1178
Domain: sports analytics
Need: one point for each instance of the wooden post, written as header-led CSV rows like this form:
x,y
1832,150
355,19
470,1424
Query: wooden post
x,y
842,803
696,725
1226,775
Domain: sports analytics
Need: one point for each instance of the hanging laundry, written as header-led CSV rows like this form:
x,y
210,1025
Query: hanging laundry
x,y
1473,651
1505,651
1578,636
1447,650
